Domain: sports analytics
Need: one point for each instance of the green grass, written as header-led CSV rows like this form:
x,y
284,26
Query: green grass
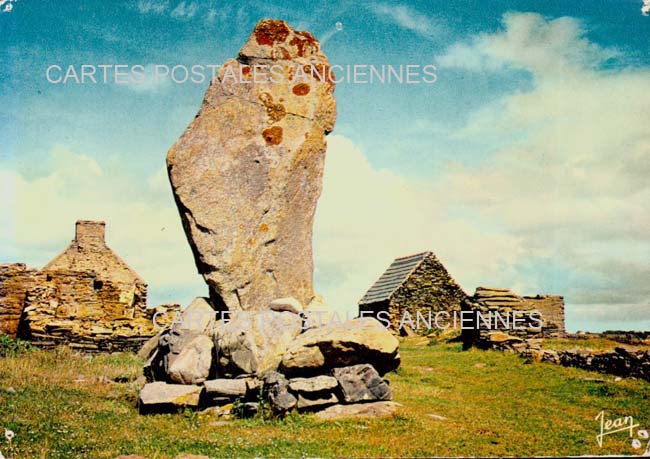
x,y
495,404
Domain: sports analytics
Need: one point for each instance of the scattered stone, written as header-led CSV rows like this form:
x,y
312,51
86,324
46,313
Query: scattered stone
x,y
362,383
159,397
191,456
226,388
10,390
255,154
437,417
310,385
358,410
254,342
306,403
320,349
500,337
194,362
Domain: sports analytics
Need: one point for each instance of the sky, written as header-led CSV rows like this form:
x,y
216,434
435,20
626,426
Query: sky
x,y
525,165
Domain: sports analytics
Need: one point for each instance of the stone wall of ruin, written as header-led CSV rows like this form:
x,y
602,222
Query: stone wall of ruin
x,y
75,308
15,280
551,308
428,288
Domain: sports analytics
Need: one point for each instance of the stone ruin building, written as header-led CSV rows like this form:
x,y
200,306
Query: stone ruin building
x,y
416,283
488,300
420,283
87,297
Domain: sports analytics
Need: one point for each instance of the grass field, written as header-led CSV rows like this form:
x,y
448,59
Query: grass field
x,y
67,406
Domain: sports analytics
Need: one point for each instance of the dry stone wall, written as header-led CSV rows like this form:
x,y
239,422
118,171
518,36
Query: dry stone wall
x,y
510,318
15,281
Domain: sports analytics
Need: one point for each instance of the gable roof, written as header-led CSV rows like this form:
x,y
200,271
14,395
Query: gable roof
x,y
393,278
88,252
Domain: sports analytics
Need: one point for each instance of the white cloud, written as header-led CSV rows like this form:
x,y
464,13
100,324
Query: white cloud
x,y
407,18
575,186
563,208
367,217
153,6
184,10
530,42
143,226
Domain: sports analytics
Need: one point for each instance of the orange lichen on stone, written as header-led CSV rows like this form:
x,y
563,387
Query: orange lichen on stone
x,y
274,111
281,53
301,89
272,135
304,41
270,31
264,228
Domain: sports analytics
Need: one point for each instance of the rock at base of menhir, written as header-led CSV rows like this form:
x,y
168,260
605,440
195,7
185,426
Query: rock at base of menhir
x,y
320,383
363,340
255,153
314,393
193,364
314,402
159,397
358,410
362,383
253,342
276,388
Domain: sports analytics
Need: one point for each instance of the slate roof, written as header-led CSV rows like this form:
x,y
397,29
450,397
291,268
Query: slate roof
x,y
393,278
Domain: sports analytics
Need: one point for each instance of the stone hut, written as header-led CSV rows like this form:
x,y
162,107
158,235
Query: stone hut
x,y
415,283
493,325
87,297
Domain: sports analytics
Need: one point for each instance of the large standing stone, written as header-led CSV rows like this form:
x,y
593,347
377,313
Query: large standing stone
x,y
342,344
253,342
247,172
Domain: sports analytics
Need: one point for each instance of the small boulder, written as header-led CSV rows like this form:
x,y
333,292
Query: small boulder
x,y
358,410
254,342
276,388
320,383
307,403
362,383
226,387
194,362
363,340
160,397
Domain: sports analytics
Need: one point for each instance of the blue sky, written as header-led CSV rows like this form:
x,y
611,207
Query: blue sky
x,y
525,165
